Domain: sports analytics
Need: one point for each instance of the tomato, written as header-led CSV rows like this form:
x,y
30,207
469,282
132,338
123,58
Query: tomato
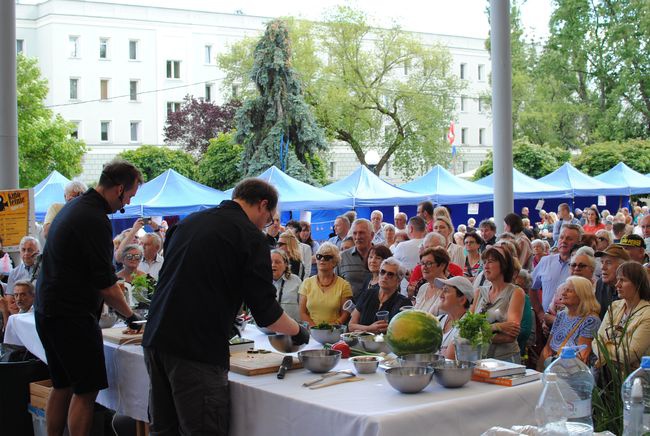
x,y
343,348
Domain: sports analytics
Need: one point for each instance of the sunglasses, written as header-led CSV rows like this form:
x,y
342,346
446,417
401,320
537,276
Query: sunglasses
x,y
133,257
325,257
389,274
578,265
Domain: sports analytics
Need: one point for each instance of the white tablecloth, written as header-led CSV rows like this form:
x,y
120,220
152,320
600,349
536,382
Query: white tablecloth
x,y
263,405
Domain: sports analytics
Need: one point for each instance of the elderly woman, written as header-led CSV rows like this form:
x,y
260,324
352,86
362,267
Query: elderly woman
x,y
455,298
305,237
502,302
514,224
286,283
577,323
386,297
473,265
540,249
625,330
444,226
434,262
389,234
322,296
593,223
603,239
288,243
130,259
376,255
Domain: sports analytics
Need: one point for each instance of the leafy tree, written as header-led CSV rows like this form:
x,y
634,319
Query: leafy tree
x,y
530,159
279,114
44,140
600,157
220,166
152,161
197,122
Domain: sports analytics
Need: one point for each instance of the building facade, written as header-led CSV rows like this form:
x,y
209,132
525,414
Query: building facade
x,y
117,70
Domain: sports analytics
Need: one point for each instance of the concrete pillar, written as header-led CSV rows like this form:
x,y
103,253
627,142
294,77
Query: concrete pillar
x,y
501,109
8,106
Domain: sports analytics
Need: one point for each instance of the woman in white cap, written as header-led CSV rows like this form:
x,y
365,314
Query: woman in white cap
x,y
455,299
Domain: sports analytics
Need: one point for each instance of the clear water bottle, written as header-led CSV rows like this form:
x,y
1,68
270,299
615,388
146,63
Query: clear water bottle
x,y
576,384
551,412
635,393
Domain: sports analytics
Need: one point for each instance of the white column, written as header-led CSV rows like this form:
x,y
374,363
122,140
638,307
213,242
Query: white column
x,y
8,105
501,109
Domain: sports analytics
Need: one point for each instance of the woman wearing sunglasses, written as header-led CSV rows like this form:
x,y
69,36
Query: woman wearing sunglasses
x,y
387,297
131,257
323,295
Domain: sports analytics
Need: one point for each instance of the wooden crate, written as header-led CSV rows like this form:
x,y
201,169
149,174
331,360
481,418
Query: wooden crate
x,y
39,392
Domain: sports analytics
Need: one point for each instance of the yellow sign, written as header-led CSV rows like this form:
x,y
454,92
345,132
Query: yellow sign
x,y
16,208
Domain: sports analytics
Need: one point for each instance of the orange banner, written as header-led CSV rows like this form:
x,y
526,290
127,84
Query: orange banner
x,y
15,207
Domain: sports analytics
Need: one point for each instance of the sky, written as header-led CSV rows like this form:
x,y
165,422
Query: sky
x,y
450,17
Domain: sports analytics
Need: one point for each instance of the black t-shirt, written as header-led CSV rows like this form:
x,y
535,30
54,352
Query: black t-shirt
x,y
77,260
368,305
214,260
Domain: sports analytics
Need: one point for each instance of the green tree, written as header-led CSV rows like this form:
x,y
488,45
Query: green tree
x,y
45,141
152,161
600,157
530,159
279,114
220,166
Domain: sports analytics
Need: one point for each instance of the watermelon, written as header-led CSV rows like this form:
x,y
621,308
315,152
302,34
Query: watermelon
x,y
414,331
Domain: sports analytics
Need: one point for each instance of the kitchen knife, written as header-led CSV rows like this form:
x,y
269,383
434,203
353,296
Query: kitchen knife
x,y
286,364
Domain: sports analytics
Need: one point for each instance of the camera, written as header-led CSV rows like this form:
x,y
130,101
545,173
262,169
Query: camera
x,y
146,220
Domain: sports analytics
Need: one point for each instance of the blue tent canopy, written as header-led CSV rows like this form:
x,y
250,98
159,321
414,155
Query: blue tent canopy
x,y
632,182
172,194
527,188
443,187
580,184
49,191
366,189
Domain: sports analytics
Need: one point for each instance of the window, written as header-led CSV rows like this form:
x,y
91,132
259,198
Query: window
x,y
481,72
463,104
173,106
481,136
208,54
464,135
133,90
463,71
465,166
480,105
74,89
133,50
208,92
74,46
135,130
75,129
105,128
20,45
103,48
173,69
103,89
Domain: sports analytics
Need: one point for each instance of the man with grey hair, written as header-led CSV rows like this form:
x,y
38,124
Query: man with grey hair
x,y
71,191
376,218
23,298
341,228
30,248
354,265
152,260
400,220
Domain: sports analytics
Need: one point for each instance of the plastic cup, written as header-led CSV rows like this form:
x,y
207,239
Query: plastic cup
x,y
349,306
382,315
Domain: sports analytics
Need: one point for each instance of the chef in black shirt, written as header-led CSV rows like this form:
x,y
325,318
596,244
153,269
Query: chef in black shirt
x,y
214,260
76,277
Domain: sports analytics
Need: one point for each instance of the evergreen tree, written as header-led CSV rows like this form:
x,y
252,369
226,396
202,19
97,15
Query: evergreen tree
x,y
279,114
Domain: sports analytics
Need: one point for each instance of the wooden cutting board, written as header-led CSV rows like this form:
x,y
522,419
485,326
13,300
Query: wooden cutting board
x,y
256,364
116,336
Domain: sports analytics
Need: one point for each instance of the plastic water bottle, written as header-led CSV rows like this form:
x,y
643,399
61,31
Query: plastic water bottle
x,y
635,394
576,384
551,412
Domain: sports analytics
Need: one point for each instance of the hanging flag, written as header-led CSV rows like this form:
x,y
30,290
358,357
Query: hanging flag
x,y
451,134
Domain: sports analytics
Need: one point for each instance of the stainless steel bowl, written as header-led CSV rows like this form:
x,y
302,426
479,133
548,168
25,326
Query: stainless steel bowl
x,y
369,344
419,359
283,344
328,336
366,364
409,380
453,373
351,339
319,361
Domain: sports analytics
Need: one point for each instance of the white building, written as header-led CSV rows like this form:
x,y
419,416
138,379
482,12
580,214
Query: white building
x,y
117,69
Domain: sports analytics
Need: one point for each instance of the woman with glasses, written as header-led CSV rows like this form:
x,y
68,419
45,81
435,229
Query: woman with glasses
x,y
473,264
386,297
434,262
286,283
288,243
541,248
323,295
131,257
593,223
502,302
456,297
376,255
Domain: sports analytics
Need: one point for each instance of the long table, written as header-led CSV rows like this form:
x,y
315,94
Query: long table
x,y
263,405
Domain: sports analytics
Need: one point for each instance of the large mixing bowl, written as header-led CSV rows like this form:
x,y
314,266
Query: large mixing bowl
x,y
371,345
283,344
328,336
319,361
453,373
409,379
421,359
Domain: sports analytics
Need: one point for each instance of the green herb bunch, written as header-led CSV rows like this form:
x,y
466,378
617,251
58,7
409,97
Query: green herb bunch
x,y
475,328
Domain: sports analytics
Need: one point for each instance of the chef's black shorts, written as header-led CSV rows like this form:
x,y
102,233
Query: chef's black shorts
x,y
74,349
